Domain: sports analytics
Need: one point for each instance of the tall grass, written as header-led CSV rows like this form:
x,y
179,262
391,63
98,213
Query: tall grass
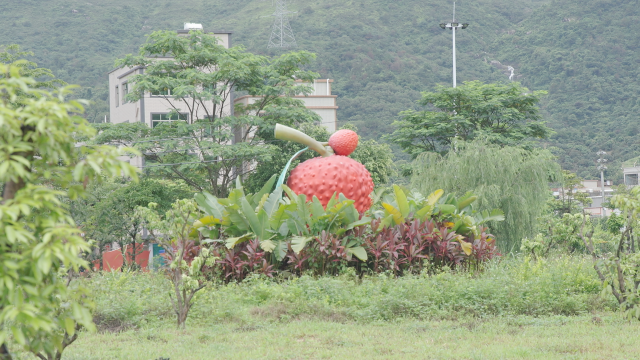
x,y
512,286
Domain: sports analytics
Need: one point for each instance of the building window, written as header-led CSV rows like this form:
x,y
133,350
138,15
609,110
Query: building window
x,y
631,179
163,92
117,96
125,91
157,119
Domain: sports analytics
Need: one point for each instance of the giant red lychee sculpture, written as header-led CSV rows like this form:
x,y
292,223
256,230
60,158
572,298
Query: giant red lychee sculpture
x,y
333,172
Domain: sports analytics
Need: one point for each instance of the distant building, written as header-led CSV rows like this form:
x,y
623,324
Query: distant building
x,y
152,109
594,189
631,175
320,101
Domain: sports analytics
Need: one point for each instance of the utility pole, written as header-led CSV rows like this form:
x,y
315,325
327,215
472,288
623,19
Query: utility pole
x,y
453,26
602,167
281,32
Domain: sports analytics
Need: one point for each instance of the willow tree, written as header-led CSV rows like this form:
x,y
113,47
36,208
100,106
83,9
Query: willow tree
x,y
510,178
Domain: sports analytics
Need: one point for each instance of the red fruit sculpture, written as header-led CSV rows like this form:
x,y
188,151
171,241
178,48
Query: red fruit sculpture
x,y
331,173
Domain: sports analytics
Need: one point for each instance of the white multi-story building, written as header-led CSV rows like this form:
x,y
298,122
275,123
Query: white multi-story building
x,y
151,109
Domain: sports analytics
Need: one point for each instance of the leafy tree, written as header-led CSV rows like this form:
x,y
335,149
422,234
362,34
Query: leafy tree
x,y
173,232
570,199
11,54
38,238
504,114
113,217
508,178
214,144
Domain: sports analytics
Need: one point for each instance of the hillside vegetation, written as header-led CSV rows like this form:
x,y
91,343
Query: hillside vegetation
x,y
382,54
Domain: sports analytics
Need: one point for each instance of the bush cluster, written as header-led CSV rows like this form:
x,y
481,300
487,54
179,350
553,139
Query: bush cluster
x,y
511,286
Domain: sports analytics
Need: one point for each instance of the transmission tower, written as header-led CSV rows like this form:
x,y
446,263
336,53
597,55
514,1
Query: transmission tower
x,y
281,32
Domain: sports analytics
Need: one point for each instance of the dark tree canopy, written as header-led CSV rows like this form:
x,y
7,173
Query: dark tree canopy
x,y
503,114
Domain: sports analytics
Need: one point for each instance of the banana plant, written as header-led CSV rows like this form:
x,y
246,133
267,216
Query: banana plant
x,y
398,207
274,221
402,205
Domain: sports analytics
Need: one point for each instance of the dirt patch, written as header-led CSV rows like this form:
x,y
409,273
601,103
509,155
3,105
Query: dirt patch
x,y
110,325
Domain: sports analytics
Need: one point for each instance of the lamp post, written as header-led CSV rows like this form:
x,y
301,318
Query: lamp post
x,y
453,26
602,167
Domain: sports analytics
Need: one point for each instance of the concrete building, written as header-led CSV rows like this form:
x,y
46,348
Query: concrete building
x,y
631,175
152,109
320,101
594,190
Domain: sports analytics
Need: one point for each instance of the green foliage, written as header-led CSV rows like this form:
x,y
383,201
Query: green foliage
x,y
39,240
111,216
214,144
501,114
11,54
275,221
571,200
172,231
581,52
510,287
508,178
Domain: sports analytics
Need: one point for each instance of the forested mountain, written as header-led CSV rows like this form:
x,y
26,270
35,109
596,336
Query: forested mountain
x,y
382,53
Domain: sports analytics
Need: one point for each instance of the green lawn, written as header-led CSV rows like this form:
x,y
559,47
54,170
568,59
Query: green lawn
x,y
516,308
558,337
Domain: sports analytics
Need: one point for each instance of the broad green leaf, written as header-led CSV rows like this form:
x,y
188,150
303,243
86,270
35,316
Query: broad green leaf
x,y
267,245
209,204
358,252
494,215
434,197
446,209
424,213
69,326
466,247
284,229
258,223
386,222
231,242
466,202
281,215
401,200
281,250
332,202
266,189
397,216
206,221
457,225
292,196
235,197
316,207
364,221
262,202
298,243
273,201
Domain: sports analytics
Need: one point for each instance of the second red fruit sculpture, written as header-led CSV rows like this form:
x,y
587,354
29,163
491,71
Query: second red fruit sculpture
x,y
331,173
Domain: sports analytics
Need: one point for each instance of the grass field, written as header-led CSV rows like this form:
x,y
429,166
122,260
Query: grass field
x,y
558,337
515,309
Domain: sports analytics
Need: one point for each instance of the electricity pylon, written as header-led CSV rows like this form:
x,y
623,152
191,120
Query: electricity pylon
x,y
281,32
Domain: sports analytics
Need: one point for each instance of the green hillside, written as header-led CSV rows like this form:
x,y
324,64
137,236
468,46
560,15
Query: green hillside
x,y
381,54
586,53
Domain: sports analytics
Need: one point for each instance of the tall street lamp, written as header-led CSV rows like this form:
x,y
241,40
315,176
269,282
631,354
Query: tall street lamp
x,y
602,167
453,26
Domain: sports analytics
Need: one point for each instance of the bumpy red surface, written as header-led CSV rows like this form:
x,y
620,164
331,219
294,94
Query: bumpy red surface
x,y
343,142
324,176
